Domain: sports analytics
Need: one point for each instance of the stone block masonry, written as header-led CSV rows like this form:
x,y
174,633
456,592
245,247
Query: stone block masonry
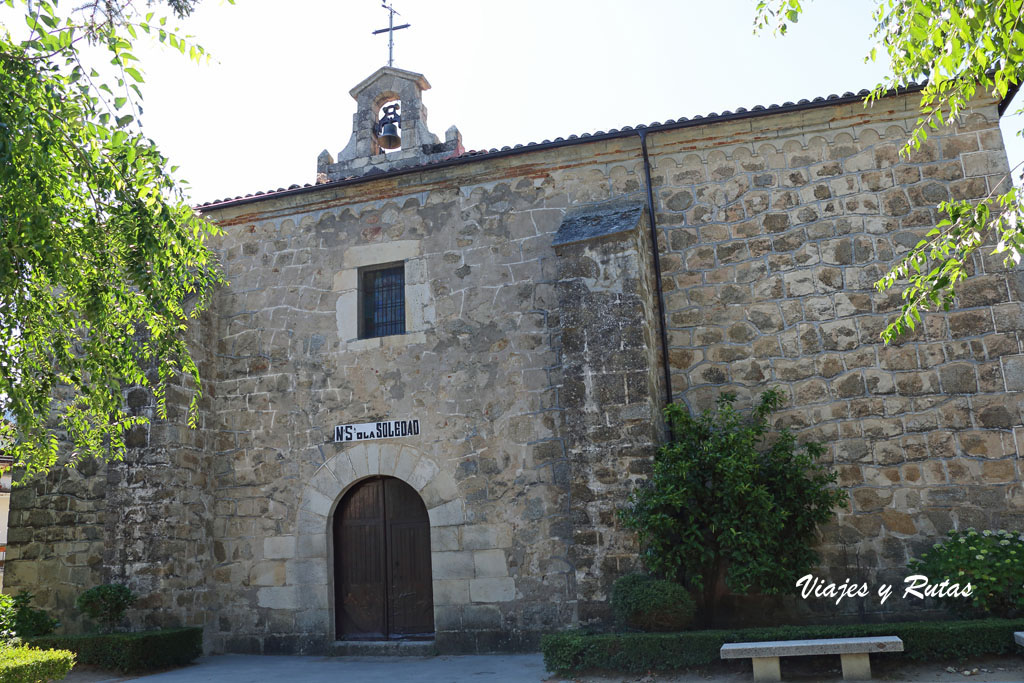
x,y
771,249
534,367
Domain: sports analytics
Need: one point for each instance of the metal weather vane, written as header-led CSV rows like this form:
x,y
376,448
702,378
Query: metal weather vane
x,y
390,30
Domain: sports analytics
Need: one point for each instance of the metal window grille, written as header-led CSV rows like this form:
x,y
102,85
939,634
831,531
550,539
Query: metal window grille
x,y
384,302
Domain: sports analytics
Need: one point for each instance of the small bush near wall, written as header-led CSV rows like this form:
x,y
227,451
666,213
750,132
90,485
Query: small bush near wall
x,y
29,621
23,664
106,604
19,619
649,604
731,498
991,561
573,651
132,652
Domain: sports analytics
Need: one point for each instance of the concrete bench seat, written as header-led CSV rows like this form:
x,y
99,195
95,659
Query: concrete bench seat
x,y
853,652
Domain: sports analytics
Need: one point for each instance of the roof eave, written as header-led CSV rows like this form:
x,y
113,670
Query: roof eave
x,y
1006,101
627,131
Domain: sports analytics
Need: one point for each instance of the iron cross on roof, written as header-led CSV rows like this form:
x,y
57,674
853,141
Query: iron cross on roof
x,y
390,30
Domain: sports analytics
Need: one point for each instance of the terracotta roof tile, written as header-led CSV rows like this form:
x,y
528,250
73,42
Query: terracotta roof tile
x,y
682,122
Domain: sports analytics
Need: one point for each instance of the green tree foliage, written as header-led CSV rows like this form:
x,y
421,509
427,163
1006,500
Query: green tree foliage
x,y
730,499
959,48
102,262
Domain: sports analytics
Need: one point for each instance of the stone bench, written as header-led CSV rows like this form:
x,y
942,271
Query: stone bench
x,y
853,652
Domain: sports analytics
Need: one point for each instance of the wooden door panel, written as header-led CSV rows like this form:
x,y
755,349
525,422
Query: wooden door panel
x,y
363,595
360,559
383,584
411,608
410,591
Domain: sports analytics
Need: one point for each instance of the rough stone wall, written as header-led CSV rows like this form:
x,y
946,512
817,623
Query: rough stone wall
x,y
159,507
143,521
481,367
535,374
772,242
55,539
471,377
611,396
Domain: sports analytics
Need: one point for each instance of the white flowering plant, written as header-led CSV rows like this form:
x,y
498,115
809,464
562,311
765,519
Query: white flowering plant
x,y
991,561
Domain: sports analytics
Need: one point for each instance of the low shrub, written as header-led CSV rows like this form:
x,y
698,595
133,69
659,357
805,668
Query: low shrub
x,y
7,613
19,619
649,604
29,621
131,652
991,561
23,664
106,604
572,651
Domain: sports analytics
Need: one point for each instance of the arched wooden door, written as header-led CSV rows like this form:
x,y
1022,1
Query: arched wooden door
x,y
382,579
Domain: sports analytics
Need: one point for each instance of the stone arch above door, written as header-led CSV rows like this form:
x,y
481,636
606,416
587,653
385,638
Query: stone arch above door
x,y
307,582
438,489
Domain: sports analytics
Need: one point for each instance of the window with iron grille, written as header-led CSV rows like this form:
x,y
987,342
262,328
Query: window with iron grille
x,y
383,301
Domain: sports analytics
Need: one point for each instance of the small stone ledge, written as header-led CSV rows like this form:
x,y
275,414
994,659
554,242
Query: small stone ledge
x,y
598,221
380,163
382,648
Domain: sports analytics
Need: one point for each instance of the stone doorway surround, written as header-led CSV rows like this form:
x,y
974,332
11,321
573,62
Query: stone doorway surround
x,y
308,586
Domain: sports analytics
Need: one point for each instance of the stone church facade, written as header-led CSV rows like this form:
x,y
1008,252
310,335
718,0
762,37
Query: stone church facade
x,y
535,313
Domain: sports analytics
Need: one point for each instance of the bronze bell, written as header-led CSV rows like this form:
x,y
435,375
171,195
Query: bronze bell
x,y
388,136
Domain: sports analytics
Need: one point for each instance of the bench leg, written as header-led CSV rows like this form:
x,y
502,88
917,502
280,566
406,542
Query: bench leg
x,y
767,669
856,667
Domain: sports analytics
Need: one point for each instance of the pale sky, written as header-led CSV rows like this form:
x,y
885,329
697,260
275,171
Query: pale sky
x,y
276,93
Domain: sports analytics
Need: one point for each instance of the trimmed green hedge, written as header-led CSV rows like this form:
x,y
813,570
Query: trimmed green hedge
x,y
24,664
573,651
131,652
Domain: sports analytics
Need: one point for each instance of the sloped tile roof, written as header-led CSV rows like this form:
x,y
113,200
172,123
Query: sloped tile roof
x,y
473,155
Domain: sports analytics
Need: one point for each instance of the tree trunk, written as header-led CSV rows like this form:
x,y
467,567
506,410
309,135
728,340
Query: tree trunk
x,y
714,589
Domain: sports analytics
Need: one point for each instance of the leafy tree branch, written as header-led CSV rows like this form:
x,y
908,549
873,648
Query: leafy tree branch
x,y
102,260
959,49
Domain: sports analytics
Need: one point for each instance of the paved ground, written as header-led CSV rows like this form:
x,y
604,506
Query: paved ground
x,y
530,668
257,669
1006,669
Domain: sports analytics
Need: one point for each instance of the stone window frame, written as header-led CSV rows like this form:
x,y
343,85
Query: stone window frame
x,y
419,308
